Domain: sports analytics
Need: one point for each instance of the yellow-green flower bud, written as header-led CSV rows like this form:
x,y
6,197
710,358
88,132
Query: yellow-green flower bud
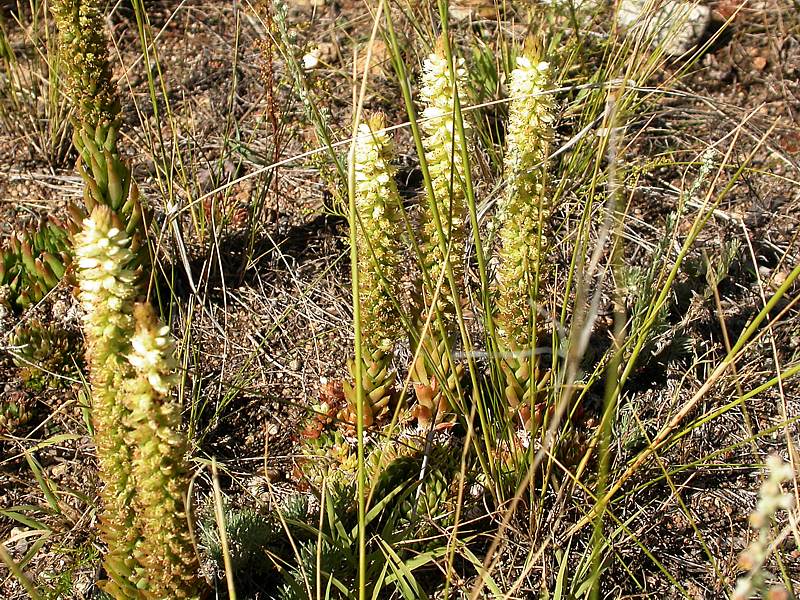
x,y
159,468
524,210
378,235
443,143
84,57
107,284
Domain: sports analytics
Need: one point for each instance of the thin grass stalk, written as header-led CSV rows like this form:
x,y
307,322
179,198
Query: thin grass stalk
x,y
219,517
612,390
358,373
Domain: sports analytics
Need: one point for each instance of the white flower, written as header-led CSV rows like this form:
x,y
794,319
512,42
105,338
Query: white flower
x,y
311,59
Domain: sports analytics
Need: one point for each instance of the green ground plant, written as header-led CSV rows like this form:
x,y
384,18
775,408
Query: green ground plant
x,y
44,354
15,411
32,262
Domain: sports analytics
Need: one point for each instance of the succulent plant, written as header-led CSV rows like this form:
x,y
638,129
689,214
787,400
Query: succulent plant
x,y
249,533
43,353
33,261
16,409
433,407
330,457
140,447
414,489
420,498
107,181
137,426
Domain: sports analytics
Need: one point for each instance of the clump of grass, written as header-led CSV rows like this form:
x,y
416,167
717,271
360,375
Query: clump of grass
x,y
33,108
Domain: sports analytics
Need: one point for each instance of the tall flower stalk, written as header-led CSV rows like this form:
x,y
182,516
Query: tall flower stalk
x,y
107,292
443,234
524,214
378,234
96,122
136,421
159,470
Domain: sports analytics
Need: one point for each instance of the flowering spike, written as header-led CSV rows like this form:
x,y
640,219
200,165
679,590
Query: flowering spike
x,y
523,214
446,211
442,145
83,50
107,291
159,469
378,235
524,210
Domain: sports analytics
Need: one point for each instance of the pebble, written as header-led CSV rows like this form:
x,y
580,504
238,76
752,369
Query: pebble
x,y
21,544
677,26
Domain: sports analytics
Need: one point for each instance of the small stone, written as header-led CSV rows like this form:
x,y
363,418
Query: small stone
x,y
58,470
677,26
20,545
311,59
779,278
295,364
